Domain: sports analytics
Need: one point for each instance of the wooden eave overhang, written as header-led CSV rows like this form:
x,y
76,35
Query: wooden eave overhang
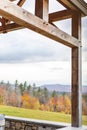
x,y
30,21
75,5
41,23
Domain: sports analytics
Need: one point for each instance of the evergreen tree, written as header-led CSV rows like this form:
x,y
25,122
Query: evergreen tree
x,y
25,85
29,88
21,87
54,93
18,93
16,84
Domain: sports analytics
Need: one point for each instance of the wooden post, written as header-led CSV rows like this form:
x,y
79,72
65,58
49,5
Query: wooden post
x,y
76,73
41,9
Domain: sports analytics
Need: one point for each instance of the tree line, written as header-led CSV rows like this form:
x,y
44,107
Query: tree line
x,y
32,97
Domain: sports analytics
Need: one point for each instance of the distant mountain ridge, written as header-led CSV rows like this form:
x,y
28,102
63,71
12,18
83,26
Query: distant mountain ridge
x,y
61,88
57,87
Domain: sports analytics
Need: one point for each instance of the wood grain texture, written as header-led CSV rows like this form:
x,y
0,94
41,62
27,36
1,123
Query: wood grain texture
x,y
28,20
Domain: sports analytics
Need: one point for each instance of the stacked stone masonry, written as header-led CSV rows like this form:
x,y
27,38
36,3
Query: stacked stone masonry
x,y
16,125
12,124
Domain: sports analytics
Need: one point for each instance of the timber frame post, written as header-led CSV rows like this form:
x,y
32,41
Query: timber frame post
x,y
76,73
41,9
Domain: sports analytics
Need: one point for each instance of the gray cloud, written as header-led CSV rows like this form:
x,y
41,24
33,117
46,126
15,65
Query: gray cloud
x,y
27,46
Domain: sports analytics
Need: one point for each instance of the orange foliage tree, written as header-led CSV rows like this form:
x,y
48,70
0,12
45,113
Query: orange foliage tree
x,y
30,102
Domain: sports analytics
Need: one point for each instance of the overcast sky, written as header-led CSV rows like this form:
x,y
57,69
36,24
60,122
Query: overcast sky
x,y
28,56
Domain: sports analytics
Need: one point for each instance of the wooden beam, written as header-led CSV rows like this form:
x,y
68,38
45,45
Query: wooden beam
x,y
1,20
41,9
12,0
67,4
21,2
76,5
28,20
10,27
81,5
76,74
60,15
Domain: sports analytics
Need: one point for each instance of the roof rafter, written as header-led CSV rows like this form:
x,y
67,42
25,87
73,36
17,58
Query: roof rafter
x,y
21,2
77,5
60,15
28,20
10,27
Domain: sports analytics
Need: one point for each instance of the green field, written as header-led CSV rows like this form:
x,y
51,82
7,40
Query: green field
x,y
37,114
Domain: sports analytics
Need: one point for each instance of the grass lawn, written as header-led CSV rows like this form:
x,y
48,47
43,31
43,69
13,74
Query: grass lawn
x,y
37,114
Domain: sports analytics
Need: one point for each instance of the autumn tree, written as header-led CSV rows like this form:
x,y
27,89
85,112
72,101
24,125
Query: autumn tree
x,y
67,103
8,92
84,104
3,95
30,102
13,99
53,103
